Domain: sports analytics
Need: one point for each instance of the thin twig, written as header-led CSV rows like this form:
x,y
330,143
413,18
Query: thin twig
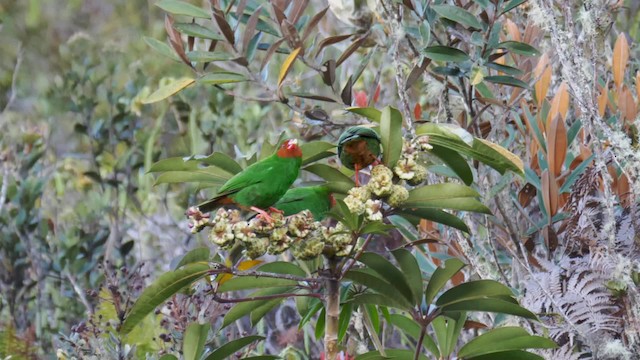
x,y
81,294
423,332
348,267
5,185
14,78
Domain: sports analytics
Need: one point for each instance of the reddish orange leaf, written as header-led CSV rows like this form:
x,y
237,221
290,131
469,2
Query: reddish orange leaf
x,y
549,193
624,191
556,145
543,73
417,111
559,105
620,58
512,30
602,101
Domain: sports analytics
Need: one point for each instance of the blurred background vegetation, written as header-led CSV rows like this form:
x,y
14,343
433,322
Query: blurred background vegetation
x,y
81,221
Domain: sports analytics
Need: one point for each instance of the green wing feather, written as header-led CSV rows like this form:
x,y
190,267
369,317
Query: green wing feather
x,y
313,198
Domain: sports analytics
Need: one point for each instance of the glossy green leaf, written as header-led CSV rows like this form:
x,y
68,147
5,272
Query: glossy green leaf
x,y
261,309
512,5
168,357
506,80
207,175
447,330
439,216
508,355
161,47
377,283
242,309
370,113
381,300
177,7
195,336
232,347
509,70
173,87
445,196
411,271
252,282
391,354
320,323
160,290
455,162
221,77
197,255
208,56
504,339
389,272
198,31
391,135
411,328
458,15
445,53
262,357
517,47
313,309
343,320
440,278
329,173
283,267
173,164
490,305
316,150
575,174
473,290
222,161
376,227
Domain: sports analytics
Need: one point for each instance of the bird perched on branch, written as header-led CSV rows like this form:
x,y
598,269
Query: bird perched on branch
x,y
262,184
359,147
317,199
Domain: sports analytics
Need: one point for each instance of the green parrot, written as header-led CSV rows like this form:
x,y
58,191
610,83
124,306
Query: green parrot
x,y
359,147
261,184
317,199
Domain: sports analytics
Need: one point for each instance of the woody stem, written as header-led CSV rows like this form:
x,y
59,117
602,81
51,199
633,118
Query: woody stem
x,y
332,298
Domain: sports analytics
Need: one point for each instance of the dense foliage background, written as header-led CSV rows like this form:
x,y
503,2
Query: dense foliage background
x,y
84,226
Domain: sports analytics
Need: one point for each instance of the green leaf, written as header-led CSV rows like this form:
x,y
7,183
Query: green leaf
x,y
198,31
168,357
222,161
391,354
504,339
519,48
163,288
391,135
407,325
161,48
232,347
242,309
378,299
575,174
458,15
316,150
411,270
283,267
263,357
313,309
319,330
440,278
329,173
389,272
376,283
447,330
197,255
195,336
171,88
455,162
473,290
512,5
490,305
439,216
208,56
177,7
445,53
343,320
376,227
173,164
507,80
445,196
510,70
251,282
508,355
261,309
370,113
206,175
221,77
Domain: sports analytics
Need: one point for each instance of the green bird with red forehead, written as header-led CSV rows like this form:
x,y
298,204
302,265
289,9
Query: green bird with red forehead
x,y
317,199
261,184
359,147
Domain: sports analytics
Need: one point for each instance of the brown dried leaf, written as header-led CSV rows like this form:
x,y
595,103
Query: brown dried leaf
x,y
556,145
272,49
550,238
291,34
512,30
351,49
347,92
416,73
175,40
224,26
298,9
240,9
331,40
624,191
627,105
559,105
620,58
526,194
250,29
329,73
313,23
549,193
603,98
279,13
543,73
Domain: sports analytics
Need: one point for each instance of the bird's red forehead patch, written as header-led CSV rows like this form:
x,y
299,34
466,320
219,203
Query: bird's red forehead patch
x,y
290,149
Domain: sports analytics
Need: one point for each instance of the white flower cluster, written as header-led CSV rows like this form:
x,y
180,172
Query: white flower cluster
x,y
408,168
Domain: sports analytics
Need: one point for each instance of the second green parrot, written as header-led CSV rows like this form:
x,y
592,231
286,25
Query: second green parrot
x,y
316,199
359,147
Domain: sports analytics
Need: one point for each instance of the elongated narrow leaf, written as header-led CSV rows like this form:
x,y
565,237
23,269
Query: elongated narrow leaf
x,y
195,336
507,80
508,355
351,49
251,282
503,339
458,15
519,48
328,173
311,26
222,161
512,5
473,290
283,267
620,58
509,70
411,270
242,309
380,300
391,135
343,320
232,347
198,31
370,113
286,66
208,56
221,77
331,40
206,175
454,161
445,196
316,150
391,354
164,287
161,47
389,272
167,90
375,282
197,255
490,305
440,278
436,215
445,53
177,7
261,309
